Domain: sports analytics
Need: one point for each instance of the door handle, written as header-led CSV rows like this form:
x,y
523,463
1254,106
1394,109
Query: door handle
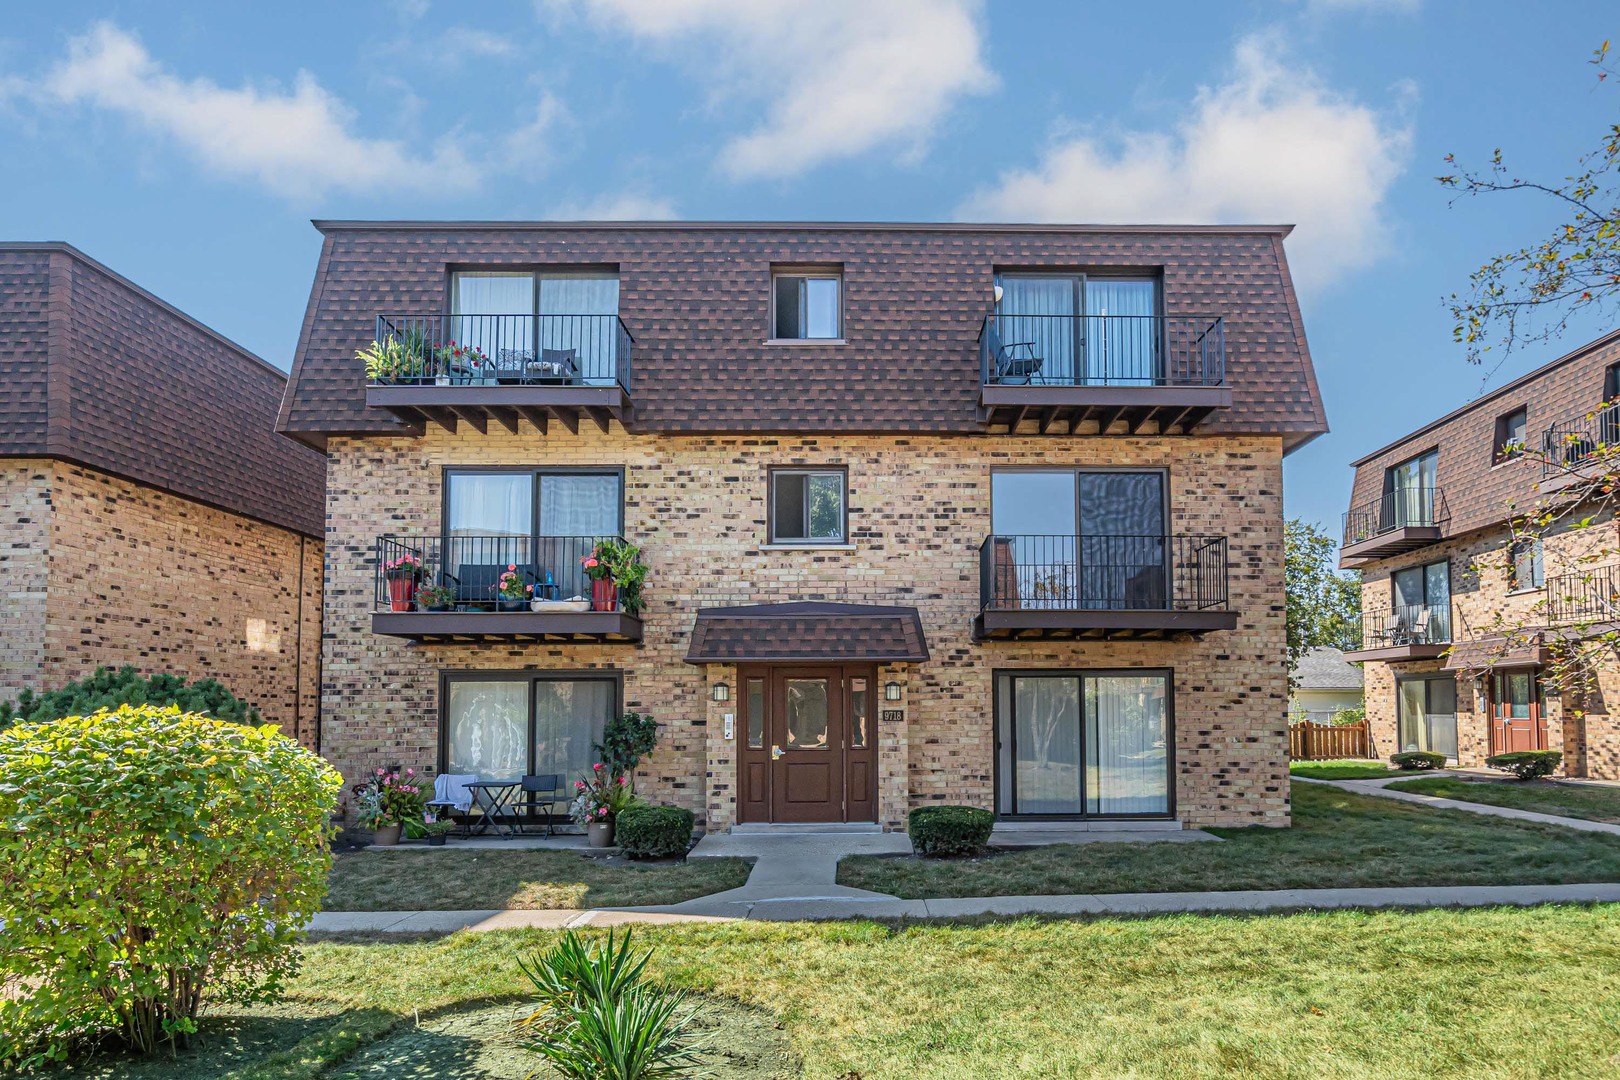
x,y
776,752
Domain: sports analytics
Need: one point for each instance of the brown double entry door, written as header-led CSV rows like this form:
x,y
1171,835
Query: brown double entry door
x,y
807,744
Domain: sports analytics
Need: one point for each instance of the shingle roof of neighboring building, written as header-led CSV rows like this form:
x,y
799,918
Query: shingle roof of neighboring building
x,y
1322,668
806,632
695,297
96,370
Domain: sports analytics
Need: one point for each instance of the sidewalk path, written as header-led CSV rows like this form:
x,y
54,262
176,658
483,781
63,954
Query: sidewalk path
x,y
889,908
1377,787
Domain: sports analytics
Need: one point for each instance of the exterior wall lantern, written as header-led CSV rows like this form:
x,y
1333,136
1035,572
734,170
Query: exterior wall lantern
x,y
721,692
891,691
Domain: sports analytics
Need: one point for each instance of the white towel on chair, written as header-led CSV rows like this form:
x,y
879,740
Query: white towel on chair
x,y
452,788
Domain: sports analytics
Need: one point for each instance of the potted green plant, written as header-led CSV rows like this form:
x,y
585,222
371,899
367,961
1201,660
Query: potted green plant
x,y
511,591
617,574
597,802
437,829
386,801
402,573
435,597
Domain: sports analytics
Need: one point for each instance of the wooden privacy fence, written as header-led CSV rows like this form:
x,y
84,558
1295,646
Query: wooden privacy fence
x,y
1325,742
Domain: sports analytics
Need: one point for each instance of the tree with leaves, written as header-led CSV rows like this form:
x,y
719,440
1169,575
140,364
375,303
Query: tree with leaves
x,y
1324,603
1530,294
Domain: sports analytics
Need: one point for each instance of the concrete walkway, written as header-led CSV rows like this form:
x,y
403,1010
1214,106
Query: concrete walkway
x,y
1377,787
879,907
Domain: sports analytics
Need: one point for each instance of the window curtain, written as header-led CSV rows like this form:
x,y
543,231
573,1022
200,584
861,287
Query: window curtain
x,y
1046,712
576,316
490,527
1041,311
575,510
1127,749
1122,332
488,729
492,312
569,717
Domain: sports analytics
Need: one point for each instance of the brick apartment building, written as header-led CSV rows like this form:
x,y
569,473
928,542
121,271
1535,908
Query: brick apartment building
x,y
1459,623
977,514
153,516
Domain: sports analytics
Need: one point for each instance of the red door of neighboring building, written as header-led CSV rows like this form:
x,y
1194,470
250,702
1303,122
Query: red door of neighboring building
x,y
1517,722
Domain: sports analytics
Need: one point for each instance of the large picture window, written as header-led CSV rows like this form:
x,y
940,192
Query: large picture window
x,y
1083,743
506,726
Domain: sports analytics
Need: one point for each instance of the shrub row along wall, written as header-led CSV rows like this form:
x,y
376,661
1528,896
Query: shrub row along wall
x,y
106,572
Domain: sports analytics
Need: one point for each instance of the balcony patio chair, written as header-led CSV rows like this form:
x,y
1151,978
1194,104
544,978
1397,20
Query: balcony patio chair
x,y
1016,363
544,789
1392,631
509,366
450,794
1418,634
554,366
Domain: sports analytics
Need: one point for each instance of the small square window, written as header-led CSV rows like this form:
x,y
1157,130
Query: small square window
x,y
807,305
807,506
1525,569
1509,441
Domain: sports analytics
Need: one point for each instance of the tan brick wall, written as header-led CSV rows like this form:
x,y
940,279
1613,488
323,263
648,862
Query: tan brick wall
x,y
1482,604
138,576
919,508
25,501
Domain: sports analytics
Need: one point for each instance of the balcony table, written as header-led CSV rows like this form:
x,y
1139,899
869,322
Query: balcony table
x,y
494,797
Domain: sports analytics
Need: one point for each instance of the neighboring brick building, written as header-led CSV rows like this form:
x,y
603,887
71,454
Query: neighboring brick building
x,y
898,552
153,515
1457,626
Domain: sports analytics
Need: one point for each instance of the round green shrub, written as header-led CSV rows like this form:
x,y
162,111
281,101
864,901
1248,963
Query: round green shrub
x,y
645,831
108,689
1418,760
150,860
949,830
1527,764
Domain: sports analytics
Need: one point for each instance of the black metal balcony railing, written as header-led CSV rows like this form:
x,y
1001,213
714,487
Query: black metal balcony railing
x,y
1406,624
504,350
1570,443
1102,350
469,568
1103,573
1585,596
1422,507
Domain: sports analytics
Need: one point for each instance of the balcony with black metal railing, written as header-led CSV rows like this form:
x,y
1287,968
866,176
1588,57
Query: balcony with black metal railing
x,y
1149,373
1129,586
442,589
1404,632
1586,601
1401,520
474,369
1580,447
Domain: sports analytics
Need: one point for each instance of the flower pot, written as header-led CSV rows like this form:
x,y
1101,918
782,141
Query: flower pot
x,y
600,833
434,607
437,839
510,605
604,594
386,835
401,592
441,380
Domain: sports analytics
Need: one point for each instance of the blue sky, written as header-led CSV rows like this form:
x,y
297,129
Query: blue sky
x,y
188,145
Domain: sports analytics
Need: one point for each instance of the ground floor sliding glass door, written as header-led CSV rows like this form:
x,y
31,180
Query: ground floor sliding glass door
x,y
508,725
1427,712
1084,743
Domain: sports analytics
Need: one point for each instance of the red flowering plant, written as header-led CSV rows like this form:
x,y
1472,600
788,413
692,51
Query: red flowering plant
x,y
456,358
407,565
600,797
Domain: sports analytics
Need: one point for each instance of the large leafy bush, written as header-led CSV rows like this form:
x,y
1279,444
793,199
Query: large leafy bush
x,y
150,860
654,832
108,689
1527,764
949,830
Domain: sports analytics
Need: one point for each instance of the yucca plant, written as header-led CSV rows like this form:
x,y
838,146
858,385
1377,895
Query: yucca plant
x,y
596,1020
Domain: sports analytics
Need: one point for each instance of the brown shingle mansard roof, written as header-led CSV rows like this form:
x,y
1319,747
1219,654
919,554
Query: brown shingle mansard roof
x,y
807,631
97,371
695,295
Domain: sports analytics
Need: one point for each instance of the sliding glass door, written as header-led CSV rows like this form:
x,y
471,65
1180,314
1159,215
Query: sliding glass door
x,y
1083,743
1409,492
503,726
1428,715
1079,330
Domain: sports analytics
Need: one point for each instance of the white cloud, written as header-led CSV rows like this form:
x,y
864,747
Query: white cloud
x,y
1271,144
837,77
1396,7
465,42
296,142
625,206
534,143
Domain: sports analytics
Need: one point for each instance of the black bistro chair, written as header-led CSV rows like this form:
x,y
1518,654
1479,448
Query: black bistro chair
x,y
1016,362
543,790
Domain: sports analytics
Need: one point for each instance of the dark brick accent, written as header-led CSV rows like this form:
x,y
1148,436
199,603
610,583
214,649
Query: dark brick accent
x,y
696,298
97,371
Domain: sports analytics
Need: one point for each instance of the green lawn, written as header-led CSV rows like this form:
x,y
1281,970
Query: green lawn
x,y
1481,995
1338,839
1593,803
1341,770
455,879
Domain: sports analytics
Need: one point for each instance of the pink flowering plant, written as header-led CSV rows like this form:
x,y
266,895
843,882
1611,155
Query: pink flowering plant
x,y
511,585
406,566
600,797
389,798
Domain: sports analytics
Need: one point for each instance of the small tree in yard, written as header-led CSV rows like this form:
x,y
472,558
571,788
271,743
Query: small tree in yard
x,y
1323,604
625,741
150,861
